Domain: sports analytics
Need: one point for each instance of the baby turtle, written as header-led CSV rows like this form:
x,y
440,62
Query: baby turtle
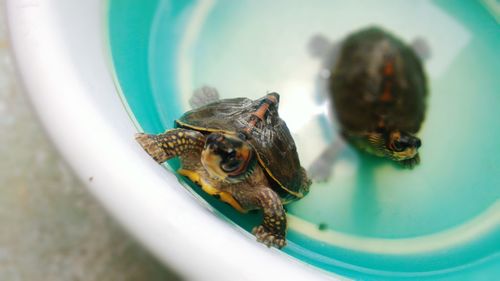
x,y
241,151
378,89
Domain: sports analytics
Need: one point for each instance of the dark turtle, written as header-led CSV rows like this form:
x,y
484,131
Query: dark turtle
x,y
378,89
241,151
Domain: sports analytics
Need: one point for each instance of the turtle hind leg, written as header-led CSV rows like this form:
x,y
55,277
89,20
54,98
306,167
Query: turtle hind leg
x,y
321,168
172,143
203,96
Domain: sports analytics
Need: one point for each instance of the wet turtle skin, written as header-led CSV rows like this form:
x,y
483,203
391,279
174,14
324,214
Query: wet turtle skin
x,y
378,86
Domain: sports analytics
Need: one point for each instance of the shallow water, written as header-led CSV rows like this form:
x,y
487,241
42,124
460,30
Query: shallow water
x,y
370,218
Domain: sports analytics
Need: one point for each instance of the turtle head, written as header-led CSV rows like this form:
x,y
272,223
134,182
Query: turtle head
x,y
401,145
396,145
228,157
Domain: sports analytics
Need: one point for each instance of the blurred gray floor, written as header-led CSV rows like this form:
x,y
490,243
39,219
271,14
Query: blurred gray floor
x,y
51,228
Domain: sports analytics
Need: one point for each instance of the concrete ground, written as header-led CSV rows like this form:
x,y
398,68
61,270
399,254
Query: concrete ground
x,y
51,228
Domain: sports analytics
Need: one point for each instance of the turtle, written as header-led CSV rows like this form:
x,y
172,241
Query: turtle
x,y
377,89
240,151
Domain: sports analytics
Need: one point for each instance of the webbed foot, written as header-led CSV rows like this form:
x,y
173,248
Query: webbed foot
x,y
269,238
203,96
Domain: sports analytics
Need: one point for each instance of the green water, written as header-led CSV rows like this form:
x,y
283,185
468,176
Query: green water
x,y
371,219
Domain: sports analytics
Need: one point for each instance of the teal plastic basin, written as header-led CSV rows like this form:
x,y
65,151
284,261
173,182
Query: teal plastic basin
x,y
371,219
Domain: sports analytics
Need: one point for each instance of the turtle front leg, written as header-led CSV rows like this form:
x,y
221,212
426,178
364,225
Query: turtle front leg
x,y
172,143
272,231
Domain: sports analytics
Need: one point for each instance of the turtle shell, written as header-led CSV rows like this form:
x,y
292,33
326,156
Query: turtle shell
x,y
271,139
378,82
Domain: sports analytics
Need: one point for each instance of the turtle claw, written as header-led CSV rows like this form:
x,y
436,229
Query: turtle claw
x,y
267,238
203,96
411,163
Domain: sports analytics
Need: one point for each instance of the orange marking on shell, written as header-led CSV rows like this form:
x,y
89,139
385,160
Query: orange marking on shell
x,y
387,94
260,113
389,68
388,72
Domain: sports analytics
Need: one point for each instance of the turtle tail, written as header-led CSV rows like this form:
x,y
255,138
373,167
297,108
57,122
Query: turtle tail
x,y
172,143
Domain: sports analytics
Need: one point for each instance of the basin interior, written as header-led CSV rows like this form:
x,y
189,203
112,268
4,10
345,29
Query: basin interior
x,y
370,218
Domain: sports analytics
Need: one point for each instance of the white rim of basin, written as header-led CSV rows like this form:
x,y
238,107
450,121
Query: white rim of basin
x,y
61,52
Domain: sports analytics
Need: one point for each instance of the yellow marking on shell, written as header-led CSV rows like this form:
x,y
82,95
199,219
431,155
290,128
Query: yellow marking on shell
x,y
180,134
224,196
171,145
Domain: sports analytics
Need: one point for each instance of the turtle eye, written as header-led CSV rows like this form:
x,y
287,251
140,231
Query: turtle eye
x,y
231,154
398,146
229,162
